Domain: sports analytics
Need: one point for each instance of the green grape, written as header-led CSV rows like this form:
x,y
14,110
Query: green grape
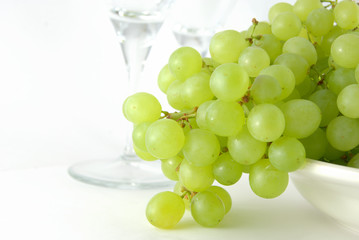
x,y
201,115
301,47
316,144
348,101
266,122
357,73
287,154
328,39
253,60
307,87
326,100
279,8
244,148
141,107
226,171
195,178
284,76
195,90
354,161
207,209
267,181
331,154
320,21
345,50
265,89
302,118
340,78
165,78
225,118
270,44
343,133
229,82
286,25
223,195
226,46
201,147
170,166
174,95
164,138
260,29
139,135
346,14
302,8
297,64
144,155
165,210
184,62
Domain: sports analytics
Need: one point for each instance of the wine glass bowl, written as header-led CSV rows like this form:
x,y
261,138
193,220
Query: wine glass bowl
x,y
331,188
195,22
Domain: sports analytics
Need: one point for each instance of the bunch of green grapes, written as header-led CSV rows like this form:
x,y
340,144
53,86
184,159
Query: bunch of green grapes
x,y
267,99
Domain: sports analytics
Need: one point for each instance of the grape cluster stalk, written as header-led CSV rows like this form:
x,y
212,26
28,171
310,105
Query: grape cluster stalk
x,y
267,99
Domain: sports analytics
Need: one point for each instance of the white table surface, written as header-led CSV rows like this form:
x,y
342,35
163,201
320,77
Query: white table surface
x,y
46,203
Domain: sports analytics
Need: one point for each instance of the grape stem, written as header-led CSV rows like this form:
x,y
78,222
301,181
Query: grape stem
x,y
187,194
181,117
250,39
331,3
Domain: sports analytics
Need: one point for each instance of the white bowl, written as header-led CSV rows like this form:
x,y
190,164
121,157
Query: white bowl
x,y
331,188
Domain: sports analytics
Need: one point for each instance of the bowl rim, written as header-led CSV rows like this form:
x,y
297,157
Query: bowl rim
x,y
329,171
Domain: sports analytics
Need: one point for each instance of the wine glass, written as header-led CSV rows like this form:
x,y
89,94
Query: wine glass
x,y
136,23
195,21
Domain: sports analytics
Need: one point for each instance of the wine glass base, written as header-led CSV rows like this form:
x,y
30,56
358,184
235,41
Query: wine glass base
x,y
121,173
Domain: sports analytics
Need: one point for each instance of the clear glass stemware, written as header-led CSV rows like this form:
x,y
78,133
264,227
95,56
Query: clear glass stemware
x,y
136,23
195,21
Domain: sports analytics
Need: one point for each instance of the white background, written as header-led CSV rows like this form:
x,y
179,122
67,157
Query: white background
x,y
62,84
63,79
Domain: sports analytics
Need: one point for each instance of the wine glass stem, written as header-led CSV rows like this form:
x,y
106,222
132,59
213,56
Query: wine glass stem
x,y
135,55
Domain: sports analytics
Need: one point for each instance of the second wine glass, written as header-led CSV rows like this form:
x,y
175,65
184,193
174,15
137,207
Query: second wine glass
x,y
195,22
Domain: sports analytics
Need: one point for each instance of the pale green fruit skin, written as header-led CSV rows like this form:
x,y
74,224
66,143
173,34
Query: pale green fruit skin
x,y
344,14
226,46
165,210
302,118
201,147
267,181
301,47
348,101
207,209
141,107
345,50
229,82
195,178
223,195
343,133
185,62
266,122
286,25
164,138
287,154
